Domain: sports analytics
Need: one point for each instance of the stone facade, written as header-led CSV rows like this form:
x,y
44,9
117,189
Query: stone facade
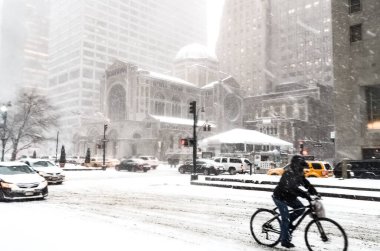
x,y
148,112
356,57
297,113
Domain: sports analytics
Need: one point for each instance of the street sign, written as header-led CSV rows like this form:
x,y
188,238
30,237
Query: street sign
x,y
317,145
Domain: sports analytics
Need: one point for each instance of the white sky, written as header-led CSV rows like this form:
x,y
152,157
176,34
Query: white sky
x,y
214,12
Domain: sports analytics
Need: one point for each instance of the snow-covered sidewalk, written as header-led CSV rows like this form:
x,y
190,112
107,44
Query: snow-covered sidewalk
x,y
361,189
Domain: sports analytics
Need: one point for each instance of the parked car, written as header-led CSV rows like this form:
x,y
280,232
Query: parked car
x,y
151,160
234,165
205,166
19,181
317,169
47,169
133,165
98,162
366,169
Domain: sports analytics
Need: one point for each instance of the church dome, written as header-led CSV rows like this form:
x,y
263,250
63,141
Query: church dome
x,y
195,51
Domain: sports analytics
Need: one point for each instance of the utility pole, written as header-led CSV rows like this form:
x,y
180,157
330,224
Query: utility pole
x,y
104,147
193,110
56,148
4,114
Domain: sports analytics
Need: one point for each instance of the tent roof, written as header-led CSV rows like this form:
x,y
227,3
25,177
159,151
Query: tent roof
x,y
246,137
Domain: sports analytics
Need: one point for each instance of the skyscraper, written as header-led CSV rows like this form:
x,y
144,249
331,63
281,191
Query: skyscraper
x,y
24,45
87,36
266,43
242,43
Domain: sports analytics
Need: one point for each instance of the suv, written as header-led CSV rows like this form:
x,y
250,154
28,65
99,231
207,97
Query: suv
x,y
366,169
151,160
234,165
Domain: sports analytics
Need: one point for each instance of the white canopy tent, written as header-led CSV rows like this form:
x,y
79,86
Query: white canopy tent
x,y
244,136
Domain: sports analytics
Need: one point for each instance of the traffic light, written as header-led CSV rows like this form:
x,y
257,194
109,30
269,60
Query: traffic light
x,y
301,148
105,127
193,107
184,142
187,142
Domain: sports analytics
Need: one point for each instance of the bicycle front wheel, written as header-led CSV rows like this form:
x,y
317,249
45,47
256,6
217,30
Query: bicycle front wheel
x,y
325,234
265,227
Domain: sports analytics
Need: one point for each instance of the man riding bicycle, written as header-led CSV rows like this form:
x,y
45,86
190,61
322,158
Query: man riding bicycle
x,y
286,193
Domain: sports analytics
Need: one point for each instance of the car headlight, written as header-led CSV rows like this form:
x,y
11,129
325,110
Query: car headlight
x,y
43,184
42,173
7,185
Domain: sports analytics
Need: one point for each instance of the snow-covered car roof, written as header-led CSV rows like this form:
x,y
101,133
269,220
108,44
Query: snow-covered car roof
x,y
11,163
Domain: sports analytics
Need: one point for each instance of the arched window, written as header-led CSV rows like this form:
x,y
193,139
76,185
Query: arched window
x,y
137,136
176,107
116,103
159,104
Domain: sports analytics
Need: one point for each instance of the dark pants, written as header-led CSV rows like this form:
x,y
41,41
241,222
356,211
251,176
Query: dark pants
x,y
286,218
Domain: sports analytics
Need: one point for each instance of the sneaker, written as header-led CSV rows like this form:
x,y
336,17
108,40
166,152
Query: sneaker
x,y
287,245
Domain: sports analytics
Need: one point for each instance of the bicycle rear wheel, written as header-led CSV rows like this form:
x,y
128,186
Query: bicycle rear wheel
x,y
325,234
265,227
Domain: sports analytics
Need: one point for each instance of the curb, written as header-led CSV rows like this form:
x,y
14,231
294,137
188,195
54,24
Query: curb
x,y
275,183
81,169
266,189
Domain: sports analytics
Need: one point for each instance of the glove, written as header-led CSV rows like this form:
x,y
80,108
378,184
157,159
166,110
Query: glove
x,y
312,190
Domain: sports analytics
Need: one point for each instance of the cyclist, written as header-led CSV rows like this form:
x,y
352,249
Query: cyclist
x,y
286,193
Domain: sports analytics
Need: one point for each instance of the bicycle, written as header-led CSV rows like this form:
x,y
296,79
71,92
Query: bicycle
x,y
319,232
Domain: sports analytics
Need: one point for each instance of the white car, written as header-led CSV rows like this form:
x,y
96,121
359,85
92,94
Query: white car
x,y
19,181
47,169
151,160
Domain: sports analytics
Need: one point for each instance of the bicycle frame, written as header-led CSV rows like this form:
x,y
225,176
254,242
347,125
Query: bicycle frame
x,y
308,211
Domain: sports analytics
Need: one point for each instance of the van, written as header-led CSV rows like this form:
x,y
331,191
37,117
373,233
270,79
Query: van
x,y
365,169
234,165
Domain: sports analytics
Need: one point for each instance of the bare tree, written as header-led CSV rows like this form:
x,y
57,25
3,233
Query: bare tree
x,y
32,117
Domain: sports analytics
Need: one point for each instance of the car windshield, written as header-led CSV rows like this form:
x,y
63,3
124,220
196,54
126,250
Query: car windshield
x,y
42,164
16,169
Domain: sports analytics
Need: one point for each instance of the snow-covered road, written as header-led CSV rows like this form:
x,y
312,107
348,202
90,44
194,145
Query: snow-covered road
x,y
158,210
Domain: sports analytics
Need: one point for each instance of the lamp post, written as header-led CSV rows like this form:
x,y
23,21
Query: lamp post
x,y
195,112
3,138
104,147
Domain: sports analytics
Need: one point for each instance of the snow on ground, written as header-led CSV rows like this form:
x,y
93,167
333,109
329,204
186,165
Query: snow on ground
x,y
158,210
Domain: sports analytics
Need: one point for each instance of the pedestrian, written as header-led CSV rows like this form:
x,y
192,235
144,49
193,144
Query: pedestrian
x,y
286,193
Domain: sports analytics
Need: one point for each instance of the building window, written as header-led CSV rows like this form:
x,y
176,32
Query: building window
x,y
159,104
116,103
355,6
176,107
356,33
373,107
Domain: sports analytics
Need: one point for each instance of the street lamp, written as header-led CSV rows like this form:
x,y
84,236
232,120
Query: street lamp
x,y
193,109
104,147
4,114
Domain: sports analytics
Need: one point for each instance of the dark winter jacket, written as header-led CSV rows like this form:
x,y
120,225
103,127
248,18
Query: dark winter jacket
x,y
288,188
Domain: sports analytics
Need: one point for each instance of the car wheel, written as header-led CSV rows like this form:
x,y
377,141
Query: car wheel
x,y
232,170
206,171
181,170
216,172
1,196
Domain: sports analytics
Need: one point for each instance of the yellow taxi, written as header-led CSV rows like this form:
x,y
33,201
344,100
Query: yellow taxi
x,y
317,169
